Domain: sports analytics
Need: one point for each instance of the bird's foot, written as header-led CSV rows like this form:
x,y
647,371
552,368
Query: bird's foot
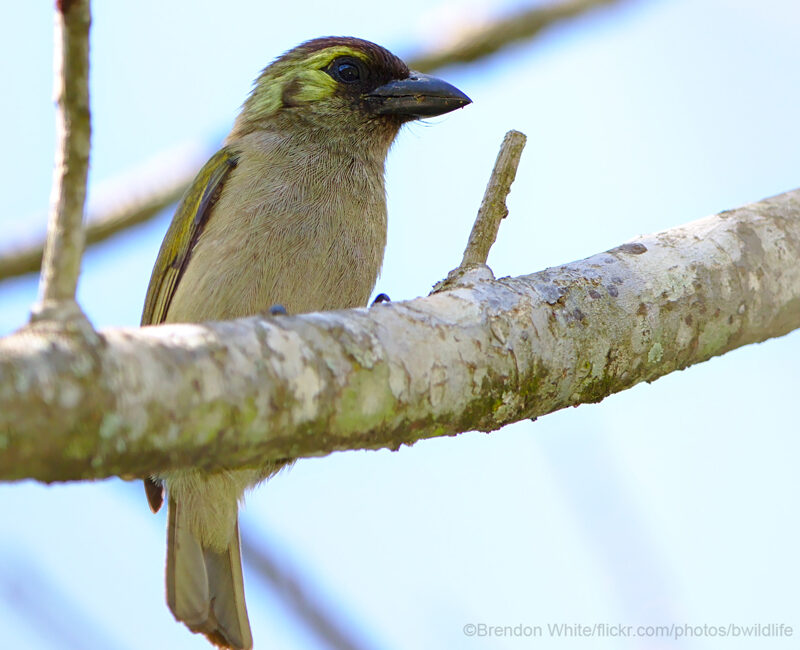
x,y
277,310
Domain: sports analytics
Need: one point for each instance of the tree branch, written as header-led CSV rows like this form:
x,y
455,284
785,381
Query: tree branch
x,y
64,247
237,393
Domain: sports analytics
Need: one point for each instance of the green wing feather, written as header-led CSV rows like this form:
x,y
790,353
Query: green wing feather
x,y
190,218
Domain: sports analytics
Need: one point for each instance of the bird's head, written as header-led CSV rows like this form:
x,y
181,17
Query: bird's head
x,y
335,84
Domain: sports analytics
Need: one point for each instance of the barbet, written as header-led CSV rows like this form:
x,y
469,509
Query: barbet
x,y
290,211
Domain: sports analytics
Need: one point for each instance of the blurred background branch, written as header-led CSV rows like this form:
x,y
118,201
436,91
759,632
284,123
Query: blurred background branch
x,y
482,40
296,594
134,198
52,615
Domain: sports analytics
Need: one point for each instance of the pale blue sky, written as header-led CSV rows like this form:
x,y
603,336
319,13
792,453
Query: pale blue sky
x,y
673,502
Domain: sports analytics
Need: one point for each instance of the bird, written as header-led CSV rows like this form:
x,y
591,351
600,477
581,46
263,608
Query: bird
x,y
290,212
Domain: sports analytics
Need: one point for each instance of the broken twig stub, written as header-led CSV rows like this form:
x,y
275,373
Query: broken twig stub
x,y
493,208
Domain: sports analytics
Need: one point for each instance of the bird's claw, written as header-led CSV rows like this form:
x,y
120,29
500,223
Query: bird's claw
x,y
277,310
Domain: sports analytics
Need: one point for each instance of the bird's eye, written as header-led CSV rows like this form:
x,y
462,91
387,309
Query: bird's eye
x,y
347,72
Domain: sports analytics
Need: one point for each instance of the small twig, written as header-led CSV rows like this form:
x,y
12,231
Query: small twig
x,y
493,209
487,39
64,247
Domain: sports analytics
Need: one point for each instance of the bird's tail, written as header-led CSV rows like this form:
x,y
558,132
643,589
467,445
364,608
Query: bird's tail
x,y
204,587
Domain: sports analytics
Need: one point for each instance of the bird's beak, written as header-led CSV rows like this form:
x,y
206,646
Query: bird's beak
x,y
419,95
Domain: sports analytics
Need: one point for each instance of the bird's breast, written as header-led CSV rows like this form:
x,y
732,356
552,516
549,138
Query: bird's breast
x,y
308,235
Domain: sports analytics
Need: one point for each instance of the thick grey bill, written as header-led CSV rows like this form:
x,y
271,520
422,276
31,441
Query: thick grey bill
x,y
420,95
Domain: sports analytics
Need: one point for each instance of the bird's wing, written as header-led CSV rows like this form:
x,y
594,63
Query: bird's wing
x,y
190,218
